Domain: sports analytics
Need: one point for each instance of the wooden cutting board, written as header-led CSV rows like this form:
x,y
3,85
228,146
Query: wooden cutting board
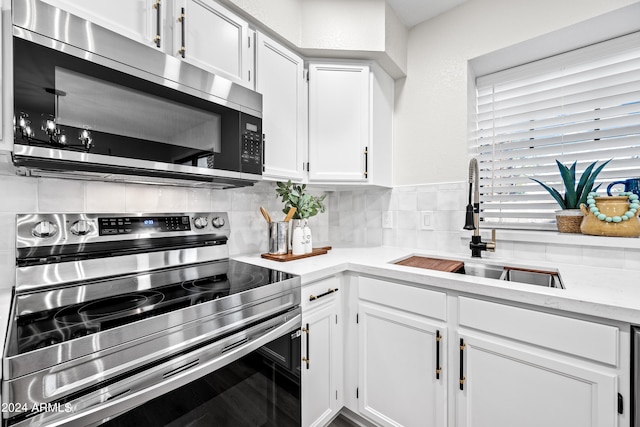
x,y
432,263
290,257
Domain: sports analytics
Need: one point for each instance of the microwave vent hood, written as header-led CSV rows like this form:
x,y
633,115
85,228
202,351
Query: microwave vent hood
x,y
213,137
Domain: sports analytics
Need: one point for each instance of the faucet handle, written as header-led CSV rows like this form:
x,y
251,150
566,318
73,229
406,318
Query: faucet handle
x,y
491,246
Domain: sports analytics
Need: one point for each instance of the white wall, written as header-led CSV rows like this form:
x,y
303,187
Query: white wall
x,y
343,25
280,16
431,103
396,35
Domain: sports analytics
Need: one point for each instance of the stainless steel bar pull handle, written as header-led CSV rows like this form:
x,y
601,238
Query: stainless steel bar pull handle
x,y
181,19
157,38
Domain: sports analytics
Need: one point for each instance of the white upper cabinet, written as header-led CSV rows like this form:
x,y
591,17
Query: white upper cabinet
x,y
350,117
140,20
201,31
339,122
280,80
211,37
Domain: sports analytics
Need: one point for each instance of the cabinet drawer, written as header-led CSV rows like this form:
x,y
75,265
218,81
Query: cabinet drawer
x,y
578,337
320,293
404,297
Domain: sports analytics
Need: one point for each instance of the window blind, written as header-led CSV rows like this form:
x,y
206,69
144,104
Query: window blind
x,y
582,106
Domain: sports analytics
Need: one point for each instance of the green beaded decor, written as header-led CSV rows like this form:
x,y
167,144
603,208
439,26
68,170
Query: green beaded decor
x,y
634,205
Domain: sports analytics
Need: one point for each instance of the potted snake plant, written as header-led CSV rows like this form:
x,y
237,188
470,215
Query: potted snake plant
x,y
569,217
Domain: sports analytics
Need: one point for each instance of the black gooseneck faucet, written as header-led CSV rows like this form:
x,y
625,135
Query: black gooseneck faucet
x,y
472,220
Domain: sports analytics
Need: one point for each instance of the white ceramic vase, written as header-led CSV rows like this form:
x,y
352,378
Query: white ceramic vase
x,y
308,241
297,240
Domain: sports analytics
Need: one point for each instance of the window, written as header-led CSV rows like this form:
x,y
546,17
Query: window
x,y
582,106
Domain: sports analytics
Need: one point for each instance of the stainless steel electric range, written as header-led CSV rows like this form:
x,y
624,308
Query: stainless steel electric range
x,y
129,319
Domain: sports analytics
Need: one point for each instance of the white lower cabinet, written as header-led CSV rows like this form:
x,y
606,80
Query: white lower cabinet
x,y
401,353
321,352
504,385
529,368
398,383
414,356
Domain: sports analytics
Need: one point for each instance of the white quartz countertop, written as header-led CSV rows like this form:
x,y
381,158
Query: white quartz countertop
x,y
596,291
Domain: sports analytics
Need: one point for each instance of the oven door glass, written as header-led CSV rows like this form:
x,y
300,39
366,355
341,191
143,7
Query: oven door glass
x,y
259,389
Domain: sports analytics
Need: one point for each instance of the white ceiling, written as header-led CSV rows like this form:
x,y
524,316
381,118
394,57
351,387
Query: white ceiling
x,y
412,12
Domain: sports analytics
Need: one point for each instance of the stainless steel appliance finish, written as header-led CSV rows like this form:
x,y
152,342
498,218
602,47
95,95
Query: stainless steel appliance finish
x,y
279,237
151,117
112,311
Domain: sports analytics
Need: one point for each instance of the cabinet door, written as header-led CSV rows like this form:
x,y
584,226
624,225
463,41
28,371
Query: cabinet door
x,y
339,112
140,20
321,365
507,386
212,38
280,80
398,383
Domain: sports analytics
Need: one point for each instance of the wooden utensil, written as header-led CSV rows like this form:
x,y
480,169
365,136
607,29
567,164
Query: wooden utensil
x,y
265,214
290,214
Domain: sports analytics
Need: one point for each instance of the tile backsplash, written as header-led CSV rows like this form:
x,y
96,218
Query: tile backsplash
x,y
444,204
40,195
353,218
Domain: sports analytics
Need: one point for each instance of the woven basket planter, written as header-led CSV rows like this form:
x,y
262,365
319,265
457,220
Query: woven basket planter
x,y
569,220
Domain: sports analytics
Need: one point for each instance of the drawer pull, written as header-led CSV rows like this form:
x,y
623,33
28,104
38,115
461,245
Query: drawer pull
x,y
329,291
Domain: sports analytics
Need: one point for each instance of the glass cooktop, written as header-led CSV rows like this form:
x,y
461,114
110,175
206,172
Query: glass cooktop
x,y
50,327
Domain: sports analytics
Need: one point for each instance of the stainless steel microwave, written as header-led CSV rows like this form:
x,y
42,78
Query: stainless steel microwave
x,y
94,104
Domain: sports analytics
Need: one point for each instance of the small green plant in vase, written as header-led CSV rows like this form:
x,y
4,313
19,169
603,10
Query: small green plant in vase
x,y
307,205
569,217
295,196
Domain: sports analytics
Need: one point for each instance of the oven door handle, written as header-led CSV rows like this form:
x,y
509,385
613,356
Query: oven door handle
x,y
131,392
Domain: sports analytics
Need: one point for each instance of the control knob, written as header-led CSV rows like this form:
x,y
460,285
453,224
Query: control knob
x,y
45,229
200,222
81,227
218,222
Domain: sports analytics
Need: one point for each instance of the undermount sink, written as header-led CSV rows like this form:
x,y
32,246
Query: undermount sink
x,y
549,279
530,276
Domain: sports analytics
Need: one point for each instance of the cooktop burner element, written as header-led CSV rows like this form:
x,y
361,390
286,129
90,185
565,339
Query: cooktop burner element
x,y
119,305
92,316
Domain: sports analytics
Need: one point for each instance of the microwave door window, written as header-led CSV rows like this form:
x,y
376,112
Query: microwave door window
x,y
177,132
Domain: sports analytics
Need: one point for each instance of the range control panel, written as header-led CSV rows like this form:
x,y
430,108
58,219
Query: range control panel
x,y
144,224
34,230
